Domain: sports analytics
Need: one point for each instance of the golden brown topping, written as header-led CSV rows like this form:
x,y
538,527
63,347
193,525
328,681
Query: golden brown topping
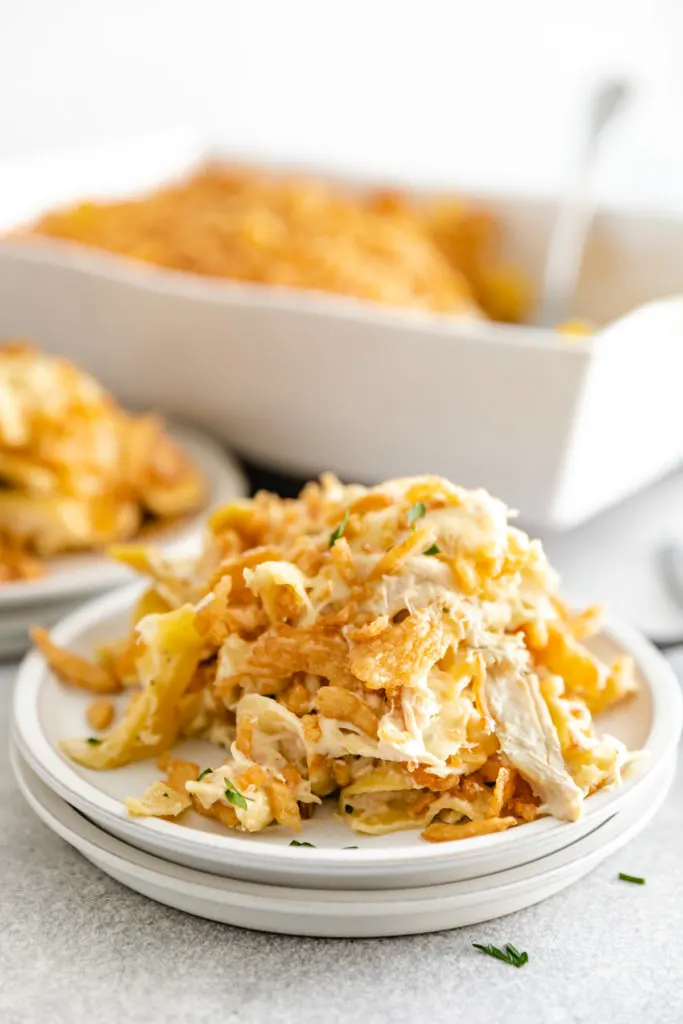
x,y
403,652
245,224
211,617
347,707
100,714
254,775
368,631
393,561
283,804
446,690
245,734
284,650
421,776
226,815
180,772
503,791
297,697
71,668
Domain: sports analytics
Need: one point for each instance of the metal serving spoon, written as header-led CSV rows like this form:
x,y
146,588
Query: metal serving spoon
x,y
577,208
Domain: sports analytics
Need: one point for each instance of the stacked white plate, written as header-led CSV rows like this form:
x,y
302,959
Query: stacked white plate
x,y
71,579
344,885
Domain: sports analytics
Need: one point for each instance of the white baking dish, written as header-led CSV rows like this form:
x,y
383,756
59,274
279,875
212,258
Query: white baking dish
x,y
303,382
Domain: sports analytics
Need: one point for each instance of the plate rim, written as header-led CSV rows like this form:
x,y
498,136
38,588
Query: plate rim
x,y
617,829
59,775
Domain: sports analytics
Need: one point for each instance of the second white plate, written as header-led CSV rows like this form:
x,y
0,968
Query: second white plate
x,y
342,914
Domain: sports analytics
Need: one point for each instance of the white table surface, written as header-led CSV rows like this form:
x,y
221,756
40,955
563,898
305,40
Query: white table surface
x,y
76,946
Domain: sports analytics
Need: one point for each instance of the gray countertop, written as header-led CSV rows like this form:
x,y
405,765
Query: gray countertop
x,y
76,946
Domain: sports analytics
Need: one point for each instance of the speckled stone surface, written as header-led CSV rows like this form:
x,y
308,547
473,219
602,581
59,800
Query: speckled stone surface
x,y
75,946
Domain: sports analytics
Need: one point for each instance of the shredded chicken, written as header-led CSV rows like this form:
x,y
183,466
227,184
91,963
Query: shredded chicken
x,y
529,740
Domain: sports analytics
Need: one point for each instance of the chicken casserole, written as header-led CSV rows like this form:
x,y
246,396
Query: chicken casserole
x,y
401,649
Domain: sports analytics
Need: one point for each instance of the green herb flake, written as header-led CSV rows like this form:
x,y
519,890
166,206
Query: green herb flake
x,y
93,741
202,775
631,878
433,550
418,510
233,796
348,809
510,956
165,794
295,842
336,534
350,847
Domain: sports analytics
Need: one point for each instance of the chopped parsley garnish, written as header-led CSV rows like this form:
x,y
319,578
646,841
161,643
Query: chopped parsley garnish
x,y
295,842
510,956
336,534
202,775
433,550
165,794
350,847
233,796
348,809
418,510
93,741
631,878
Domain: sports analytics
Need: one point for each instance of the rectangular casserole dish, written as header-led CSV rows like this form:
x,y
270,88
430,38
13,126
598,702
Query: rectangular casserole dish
x,y
301,382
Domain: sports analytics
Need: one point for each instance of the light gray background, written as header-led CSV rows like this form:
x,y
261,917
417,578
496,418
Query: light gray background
x,y
472,95
75,946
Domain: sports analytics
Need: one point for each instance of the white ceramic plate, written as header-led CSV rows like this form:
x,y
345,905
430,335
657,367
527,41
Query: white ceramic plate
x,y
346,914
80,575
46,712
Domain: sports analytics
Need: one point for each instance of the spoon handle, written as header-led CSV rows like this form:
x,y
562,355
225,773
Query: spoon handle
x,y
576,210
